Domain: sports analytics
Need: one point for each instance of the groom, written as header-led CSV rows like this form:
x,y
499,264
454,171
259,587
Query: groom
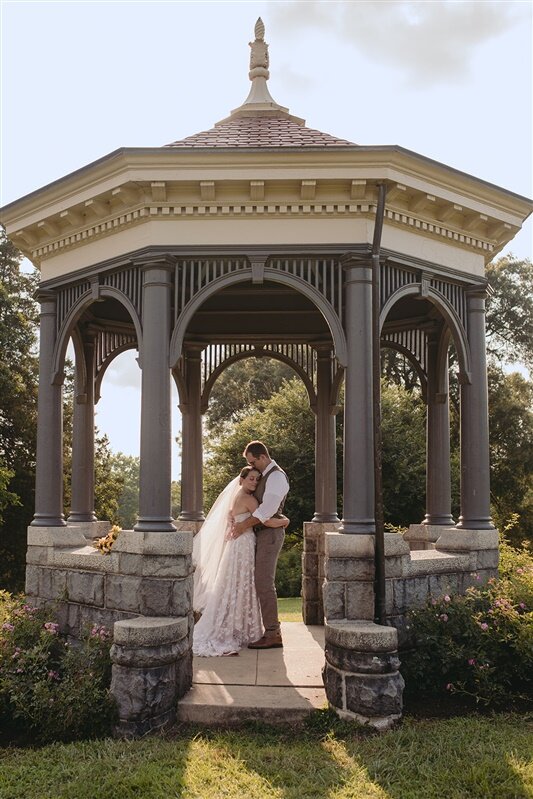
x,y
272,488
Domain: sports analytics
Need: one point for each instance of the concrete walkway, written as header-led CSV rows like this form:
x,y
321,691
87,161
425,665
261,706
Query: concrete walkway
x,y
272,685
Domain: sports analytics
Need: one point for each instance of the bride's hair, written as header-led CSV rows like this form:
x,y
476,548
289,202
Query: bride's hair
x,y
246,471
257,448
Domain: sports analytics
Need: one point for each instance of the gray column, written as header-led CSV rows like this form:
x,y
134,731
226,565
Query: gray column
x,y
358,511
49,466
82,503
191,436
475,476
438,479
325,444
156,429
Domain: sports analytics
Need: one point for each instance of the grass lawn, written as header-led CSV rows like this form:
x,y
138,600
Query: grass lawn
x,y
290,609
471,757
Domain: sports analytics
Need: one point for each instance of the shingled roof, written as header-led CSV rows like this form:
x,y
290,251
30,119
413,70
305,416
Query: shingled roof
x,y
260,131
260,122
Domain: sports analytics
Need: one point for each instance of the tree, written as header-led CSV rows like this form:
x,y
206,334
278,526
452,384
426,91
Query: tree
x,y
242,385
511,449
285,423
510,311
18,409
128,467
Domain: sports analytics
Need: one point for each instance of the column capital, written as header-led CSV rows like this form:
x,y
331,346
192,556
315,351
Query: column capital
x,y
155,261
47,300
355,259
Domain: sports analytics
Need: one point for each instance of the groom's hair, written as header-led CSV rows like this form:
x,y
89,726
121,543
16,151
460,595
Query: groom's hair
x,y
257,448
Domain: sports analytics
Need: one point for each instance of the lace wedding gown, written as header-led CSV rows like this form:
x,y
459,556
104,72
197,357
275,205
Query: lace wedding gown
x,y
231,618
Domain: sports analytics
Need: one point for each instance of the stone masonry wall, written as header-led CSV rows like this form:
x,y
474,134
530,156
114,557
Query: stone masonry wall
x,y
142,590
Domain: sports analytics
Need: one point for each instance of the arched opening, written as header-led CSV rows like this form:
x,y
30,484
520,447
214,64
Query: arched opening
x,y
417,333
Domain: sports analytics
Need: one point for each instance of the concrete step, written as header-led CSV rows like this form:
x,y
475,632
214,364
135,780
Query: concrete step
x,y
229,705
274,685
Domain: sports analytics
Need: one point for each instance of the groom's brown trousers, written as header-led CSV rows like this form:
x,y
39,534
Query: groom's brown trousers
x,y
268,547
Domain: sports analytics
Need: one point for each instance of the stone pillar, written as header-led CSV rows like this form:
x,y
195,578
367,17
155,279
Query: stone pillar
x,y
156,434
361,674
49,466
325,444
191,436
358,511
475,475
82,504
438,479
150,658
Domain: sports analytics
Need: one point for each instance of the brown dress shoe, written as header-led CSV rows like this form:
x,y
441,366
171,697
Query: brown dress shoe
x,y
272,641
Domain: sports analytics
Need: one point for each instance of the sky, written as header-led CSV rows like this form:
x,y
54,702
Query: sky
x,y
451,80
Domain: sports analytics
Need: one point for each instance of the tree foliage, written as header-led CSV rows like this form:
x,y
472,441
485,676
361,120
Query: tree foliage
x,y
510,311
18,409
242,385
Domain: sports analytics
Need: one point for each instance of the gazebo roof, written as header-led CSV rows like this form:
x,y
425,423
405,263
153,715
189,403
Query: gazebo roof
x,y
260,131
260,122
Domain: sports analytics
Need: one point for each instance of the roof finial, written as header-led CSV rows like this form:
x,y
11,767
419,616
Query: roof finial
x,y
259,53
259,101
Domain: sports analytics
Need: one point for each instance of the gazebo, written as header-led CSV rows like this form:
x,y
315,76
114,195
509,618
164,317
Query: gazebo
x,y
261,236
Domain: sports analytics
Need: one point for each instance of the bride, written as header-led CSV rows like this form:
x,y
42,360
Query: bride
x,y
224,584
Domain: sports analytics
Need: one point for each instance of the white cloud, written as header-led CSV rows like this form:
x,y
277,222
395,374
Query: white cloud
x,y
428,42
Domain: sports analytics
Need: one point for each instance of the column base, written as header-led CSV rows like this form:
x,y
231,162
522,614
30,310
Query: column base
x,y
75,517
358,527
191,516
325,518
150,525
47,520
482,523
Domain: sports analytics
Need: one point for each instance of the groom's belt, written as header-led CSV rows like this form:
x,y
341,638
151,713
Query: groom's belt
x,y
259,528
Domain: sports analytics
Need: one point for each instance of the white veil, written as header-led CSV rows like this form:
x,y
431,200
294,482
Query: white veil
x,y
209,543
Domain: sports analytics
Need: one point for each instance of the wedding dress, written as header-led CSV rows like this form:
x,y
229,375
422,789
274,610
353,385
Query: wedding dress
x,y
231,617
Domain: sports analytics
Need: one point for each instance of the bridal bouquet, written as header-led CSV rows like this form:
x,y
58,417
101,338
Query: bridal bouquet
x,y
105,544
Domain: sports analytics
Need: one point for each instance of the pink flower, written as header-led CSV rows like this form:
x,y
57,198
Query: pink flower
x,y
519,571
484,625
471,661
522,605
19,671
51,627
443,617
449,687
433,601
8,626
447,598
54,675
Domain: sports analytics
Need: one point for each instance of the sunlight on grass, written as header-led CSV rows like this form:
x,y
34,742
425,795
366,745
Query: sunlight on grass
x,y
290,608
479,757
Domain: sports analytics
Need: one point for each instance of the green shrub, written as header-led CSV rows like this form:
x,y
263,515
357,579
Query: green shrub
x,y
479,645
289,572
51,690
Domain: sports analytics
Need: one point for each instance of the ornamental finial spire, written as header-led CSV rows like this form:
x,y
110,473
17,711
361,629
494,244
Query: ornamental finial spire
x,y
259,53
259,101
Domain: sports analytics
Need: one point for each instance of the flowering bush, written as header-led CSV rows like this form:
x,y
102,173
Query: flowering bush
x,y
479,645
50,690
105,544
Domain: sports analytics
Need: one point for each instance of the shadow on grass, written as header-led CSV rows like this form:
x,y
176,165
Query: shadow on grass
x,y
475,757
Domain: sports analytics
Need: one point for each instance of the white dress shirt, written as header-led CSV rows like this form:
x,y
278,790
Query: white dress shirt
x,y
277,488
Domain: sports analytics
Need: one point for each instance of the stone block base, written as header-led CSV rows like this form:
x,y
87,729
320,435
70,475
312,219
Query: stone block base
x,y
152,669
313,570
361,674
423,536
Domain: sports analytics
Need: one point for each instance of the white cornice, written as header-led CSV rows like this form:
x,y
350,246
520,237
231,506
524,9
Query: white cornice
x,y
130,185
